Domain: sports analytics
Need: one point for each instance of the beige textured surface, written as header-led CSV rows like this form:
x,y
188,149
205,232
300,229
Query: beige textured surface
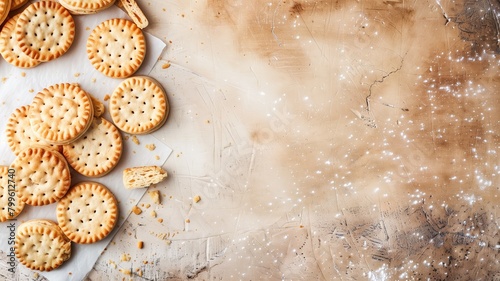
x,y
138,177
116,48
9,48
41,245
139,105
61,113
45,30
19,133
97,152
86,6
11,204
87,213
42,175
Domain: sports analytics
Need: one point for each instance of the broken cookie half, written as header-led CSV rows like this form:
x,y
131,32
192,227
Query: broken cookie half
x,y
138,177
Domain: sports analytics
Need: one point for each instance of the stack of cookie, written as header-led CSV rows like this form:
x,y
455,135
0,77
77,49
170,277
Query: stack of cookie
x,y
42,32
61,131
45,30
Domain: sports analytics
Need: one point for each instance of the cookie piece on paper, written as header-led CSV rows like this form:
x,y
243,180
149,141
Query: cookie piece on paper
x,y
138,177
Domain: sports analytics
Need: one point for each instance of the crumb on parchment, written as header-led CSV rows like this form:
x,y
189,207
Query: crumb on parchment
x,y
140,244
136,210
125,257
155,196
106,97
153,214
126,271
165,65
197,199
136,140
151,146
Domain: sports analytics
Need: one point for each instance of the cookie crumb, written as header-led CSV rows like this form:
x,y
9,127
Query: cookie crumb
x,y
197,199
126,271
23,74
153,214
168,242
106,97
155,196
136,210
188,221
135,140
147,205
165,65
93,80
140,244
157,157
125,257
31,90
139,272
151,146
77,74
160,220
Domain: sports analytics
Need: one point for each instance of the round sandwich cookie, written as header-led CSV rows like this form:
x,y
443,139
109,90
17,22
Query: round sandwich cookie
x,y
83,7
42,175
4,9
97,152
11,204
116,48
45,30
10,50
19,133
61,113
88,212
41,245
139,105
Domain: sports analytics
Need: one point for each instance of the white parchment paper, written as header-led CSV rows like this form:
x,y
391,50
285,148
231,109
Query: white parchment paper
x,y
19,86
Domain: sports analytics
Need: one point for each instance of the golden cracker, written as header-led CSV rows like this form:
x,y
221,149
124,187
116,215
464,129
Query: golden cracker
x,y
45,30
139,105
42,175
88,212
11,204
86,6
116,48
97,152
61,113
10,50
41,245
19,133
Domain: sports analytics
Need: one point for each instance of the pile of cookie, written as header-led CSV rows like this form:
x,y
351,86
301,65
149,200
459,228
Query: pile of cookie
x,y
45,30
62,130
